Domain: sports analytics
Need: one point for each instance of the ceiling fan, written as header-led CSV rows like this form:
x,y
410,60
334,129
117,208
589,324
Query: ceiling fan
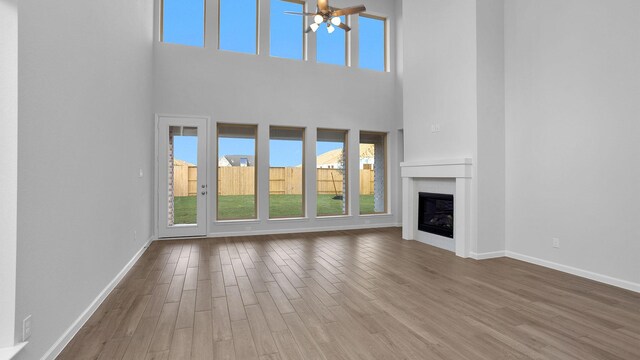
x,y
329,15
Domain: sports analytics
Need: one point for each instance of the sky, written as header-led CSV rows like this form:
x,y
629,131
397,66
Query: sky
x,y
183,22
282,153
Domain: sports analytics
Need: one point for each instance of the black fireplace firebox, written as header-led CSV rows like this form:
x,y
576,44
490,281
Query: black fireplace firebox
x,y
435,214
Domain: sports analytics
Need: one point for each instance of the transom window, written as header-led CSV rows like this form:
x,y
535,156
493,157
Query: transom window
x,y
238,26
331,48
183,22
287,37
372,42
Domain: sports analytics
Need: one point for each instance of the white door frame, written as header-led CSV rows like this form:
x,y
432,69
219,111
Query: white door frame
x,y
161,202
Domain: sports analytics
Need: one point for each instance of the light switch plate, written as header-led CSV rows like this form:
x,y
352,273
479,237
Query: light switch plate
x,y
26,328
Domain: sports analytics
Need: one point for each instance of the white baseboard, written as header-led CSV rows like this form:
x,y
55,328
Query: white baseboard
x,y
487,255
295,231
59,345
575,271
443,244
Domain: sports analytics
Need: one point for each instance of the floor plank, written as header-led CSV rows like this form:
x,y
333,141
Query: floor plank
x,y
360,294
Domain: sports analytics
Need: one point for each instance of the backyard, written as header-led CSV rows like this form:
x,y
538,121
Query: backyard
x,y
242,206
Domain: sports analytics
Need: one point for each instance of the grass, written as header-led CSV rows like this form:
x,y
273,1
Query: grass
x,y
280,206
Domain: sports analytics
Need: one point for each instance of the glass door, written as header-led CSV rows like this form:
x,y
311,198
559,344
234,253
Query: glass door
x,y
182,177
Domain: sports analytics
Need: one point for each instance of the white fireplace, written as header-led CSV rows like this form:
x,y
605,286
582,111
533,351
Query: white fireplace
x,y
447,176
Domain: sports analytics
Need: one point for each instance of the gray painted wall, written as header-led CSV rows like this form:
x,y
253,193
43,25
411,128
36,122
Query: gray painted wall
x,y
259,89
573,90
86,128
9,166
454,77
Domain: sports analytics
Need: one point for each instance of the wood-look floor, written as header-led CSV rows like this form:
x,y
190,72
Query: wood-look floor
x,y
352,295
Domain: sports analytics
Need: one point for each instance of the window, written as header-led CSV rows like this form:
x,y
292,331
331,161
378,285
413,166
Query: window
x,y
332,48
373,173
183,175
286,172
183,22
237,172
372,45
238,26
287,36
331,169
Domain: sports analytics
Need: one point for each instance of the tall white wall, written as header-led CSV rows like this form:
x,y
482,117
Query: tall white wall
x,y
572,131
259,89
490,153
9,166
440,78
85,130
454,78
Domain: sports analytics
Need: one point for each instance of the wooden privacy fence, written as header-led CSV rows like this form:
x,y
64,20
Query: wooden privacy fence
x,y
185,180
234,180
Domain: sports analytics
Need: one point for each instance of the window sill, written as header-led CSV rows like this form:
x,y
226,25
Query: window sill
x,y
334,217
239,221
376,215
10,352
289,219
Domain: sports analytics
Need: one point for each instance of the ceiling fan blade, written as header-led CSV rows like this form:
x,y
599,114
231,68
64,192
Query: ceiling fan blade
x,y
309,29
344,27
349,10
323,5
298,13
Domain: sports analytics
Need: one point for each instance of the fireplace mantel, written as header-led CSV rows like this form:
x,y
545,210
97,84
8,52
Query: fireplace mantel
x,y
459,169
439,168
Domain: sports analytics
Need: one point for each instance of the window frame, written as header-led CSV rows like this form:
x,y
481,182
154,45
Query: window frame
x,y
304,180
346,177
385,21
257,22
255,175
204,25
386,171
304,35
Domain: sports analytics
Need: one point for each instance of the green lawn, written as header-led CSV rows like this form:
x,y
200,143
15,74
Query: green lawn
x,y
242,206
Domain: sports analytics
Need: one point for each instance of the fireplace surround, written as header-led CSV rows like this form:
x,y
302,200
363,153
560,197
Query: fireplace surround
x,y
459,173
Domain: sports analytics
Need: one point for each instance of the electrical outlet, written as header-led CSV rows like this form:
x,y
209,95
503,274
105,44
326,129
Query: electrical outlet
x,y
433,128
556,242
437,127
135,235
367,221
26,328
141,173
247,228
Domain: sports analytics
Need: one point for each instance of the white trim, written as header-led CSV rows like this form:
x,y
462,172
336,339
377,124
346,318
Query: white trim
x,y
437,162
461,171
487,255
576,271
60,344
303,230
440,242
7,353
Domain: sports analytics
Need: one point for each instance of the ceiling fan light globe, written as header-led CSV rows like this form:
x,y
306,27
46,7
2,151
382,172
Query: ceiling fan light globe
x,y
336,21
330,29
314,27
318,19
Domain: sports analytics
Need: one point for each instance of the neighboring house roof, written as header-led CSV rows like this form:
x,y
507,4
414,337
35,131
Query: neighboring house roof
x,y
333,157
234,160
177,162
